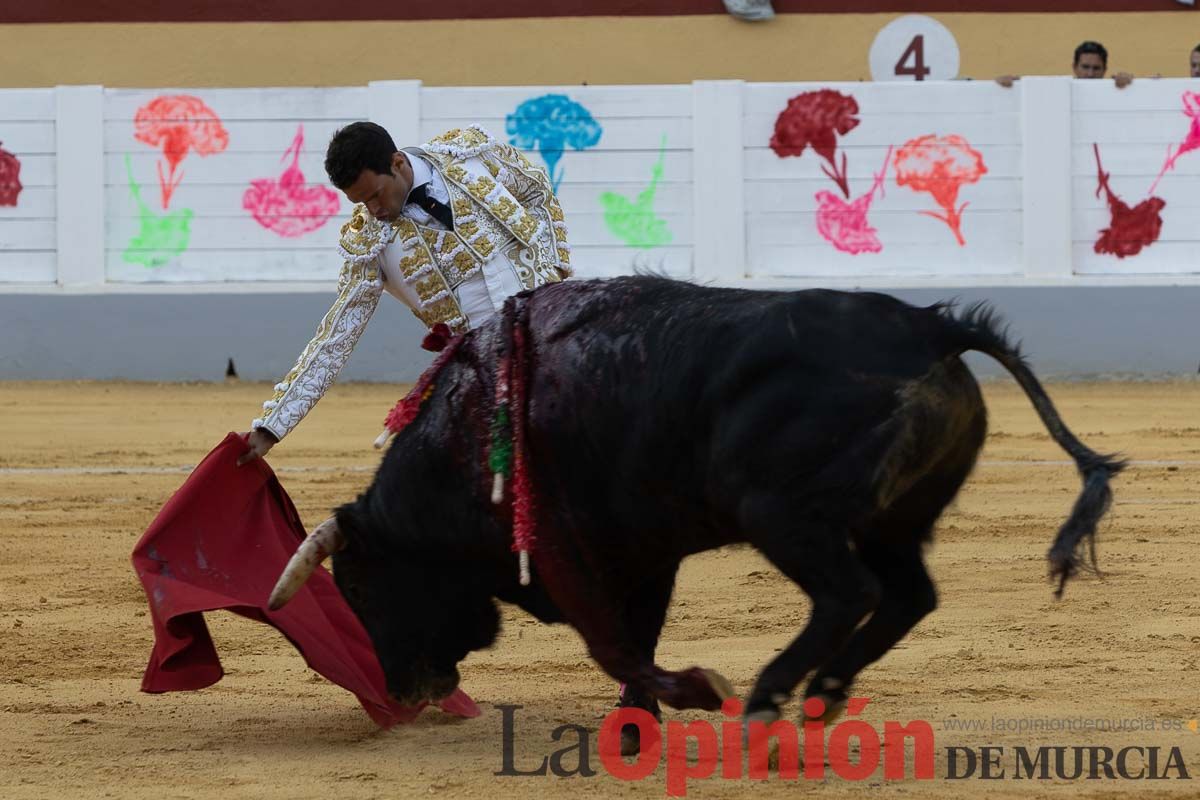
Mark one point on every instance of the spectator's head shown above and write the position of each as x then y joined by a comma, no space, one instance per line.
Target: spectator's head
363,162
1196,62
1091,60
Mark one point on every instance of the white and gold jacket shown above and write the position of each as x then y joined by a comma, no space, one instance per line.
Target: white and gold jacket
508,236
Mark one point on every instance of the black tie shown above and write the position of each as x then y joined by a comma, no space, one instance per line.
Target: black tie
438,210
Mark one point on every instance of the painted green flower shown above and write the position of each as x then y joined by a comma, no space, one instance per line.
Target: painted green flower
159,238
634,222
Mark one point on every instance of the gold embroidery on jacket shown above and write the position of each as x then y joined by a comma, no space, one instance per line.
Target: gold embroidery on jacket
436,295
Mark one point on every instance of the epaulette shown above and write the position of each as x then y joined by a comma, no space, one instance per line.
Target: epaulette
363,237
465,142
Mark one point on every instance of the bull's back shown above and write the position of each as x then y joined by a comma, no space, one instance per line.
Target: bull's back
666,394
679,326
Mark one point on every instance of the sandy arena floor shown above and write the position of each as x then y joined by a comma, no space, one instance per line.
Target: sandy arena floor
74,633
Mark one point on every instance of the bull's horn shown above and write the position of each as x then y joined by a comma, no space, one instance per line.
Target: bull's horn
320,544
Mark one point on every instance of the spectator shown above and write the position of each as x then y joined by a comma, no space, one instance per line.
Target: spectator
1196,62
1091,61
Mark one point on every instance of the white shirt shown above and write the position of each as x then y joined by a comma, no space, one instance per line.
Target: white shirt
481,295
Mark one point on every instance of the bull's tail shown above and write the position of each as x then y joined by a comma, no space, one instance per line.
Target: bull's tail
978,328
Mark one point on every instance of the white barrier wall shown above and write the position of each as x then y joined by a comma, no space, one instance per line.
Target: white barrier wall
953,183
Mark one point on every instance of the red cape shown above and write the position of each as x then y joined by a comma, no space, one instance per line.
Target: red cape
220,543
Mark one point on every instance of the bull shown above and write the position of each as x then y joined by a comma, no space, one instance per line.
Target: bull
829,430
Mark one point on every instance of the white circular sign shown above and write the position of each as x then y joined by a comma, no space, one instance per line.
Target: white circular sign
914,48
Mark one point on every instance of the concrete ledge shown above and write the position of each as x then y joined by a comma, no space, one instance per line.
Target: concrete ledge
1069,332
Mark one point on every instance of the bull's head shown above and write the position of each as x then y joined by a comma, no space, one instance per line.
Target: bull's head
423,612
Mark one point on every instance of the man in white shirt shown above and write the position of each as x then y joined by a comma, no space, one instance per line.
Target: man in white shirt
451,229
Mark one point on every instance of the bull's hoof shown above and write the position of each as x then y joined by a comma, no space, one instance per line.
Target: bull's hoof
720,685
631,740
766,716
631,735
832,694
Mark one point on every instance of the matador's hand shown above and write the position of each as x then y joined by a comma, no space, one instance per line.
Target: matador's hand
260,442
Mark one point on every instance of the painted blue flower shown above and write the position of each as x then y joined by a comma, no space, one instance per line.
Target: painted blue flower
550,123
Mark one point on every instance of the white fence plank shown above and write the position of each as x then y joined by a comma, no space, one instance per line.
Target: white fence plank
26,105
27,266
1160,258
899,261
28,137
881,130
240,168
862,163
1000,194
938,98
27,234
268,104
238,232
203,266
463,105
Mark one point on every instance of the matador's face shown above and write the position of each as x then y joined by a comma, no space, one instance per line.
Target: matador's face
383,195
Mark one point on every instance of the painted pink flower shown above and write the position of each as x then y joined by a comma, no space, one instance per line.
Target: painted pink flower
940,165
1191,108
10,178
816,119
178,123
845,225
1131,229
287,206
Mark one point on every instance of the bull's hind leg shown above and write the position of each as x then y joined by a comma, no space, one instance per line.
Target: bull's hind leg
818,558
907,596
892,551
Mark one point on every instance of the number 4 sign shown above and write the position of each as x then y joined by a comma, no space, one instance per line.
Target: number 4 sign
914,48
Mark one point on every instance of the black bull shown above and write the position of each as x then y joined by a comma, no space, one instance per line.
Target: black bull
827,429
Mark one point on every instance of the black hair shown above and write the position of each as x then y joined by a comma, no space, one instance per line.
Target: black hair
358,146
1091,47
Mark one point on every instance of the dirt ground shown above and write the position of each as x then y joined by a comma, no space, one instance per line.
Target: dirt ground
84,467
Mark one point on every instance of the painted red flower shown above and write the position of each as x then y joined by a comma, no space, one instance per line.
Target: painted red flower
10,178
1131,229
288,206
178,123
816,119
940,165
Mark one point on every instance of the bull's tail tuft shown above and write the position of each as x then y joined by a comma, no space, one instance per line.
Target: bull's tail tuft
980,328
1067,555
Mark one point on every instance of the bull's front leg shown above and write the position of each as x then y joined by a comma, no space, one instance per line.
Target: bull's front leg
600,613
644,614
